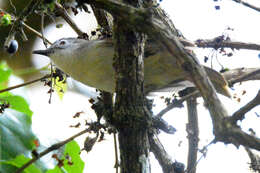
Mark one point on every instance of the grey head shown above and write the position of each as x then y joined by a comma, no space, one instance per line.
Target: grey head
61,46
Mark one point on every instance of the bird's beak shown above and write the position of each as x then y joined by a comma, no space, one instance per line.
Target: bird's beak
45,52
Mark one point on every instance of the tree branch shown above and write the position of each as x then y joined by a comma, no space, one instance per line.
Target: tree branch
26,83
143,21
247,5
240,114
177,103
216,43
36,32
232,76
51,148
193,134
160,154
236,136
61,11
16,27
117,165
161,124
241,75
27,27
255,160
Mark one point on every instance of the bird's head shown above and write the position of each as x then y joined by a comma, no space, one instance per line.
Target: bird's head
61,48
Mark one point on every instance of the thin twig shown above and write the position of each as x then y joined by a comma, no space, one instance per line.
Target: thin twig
177,103
161,154
13,6
203,154
17,23
243,77
161,124
36,32
233,76
42,30
24,84
61,11
48,150
247,5
212,43
116,153
28,27
239,115
51,83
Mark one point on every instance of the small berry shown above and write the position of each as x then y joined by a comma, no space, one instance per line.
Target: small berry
6,20
217,7
13,47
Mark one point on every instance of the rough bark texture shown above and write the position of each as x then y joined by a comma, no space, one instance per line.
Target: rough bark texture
131,117
161,155
193,133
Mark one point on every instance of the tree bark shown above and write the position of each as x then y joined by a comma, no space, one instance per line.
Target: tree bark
193,133
132,119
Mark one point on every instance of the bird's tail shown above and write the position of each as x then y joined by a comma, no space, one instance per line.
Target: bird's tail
218,81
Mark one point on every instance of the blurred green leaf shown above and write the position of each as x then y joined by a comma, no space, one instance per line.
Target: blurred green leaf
5,20
72,149
72,161
16,135
17,103
51,6
5,72
19,161
16,142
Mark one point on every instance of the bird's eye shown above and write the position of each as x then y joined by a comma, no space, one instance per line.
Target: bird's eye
62,42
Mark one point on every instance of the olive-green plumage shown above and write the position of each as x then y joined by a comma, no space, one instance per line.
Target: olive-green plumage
90,62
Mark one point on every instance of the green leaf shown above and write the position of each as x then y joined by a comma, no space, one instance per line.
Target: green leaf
19,161
5,72
52,6
17,103
72,151
6,20
15,131
60,87
16,137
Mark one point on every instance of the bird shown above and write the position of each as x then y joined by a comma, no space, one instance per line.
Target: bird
91,63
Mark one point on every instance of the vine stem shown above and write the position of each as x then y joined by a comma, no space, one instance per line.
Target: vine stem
48,150
24,84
